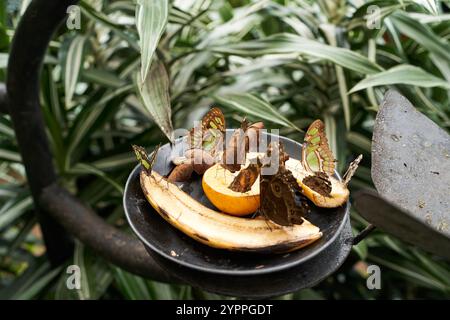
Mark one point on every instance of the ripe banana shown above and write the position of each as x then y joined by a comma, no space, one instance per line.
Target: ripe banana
220,230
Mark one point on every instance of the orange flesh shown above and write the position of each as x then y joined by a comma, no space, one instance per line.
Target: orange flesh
215,184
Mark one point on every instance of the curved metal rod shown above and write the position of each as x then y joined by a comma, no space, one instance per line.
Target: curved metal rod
27,52
113,244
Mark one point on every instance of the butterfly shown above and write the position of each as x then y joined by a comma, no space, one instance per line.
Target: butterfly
246,178
141,155
209,134
239,145
205,142
316,153
280,198
318,159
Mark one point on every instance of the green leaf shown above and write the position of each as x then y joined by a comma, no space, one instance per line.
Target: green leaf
402,74
103,77
3,60
154,94
102,19
36,286
131,286
116,161
73,66
428,18
13,210
249,104
331,32
87,119
416,275
96,276
360,141
422,34
151,20
289,43
85,168
9,155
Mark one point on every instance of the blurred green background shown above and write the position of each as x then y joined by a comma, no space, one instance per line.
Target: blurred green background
305,59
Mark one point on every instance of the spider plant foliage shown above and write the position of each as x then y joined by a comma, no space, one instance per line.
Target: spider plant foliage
134,71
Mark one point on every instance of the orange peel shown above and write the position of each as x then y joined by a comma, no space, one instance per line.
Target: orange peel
215,184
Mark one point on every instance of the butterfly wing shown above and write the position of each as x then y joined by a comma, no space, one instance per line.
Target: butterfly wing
280,201
316,154
208,135
235,153
146,161
245,179
279,192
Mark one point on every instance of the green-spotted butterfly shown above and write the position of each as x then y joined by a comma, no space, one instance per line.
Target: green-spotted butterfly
209,134
141,155
316,153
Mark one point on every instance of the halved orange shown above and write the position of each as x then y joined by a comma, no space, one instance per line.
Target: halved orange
215,184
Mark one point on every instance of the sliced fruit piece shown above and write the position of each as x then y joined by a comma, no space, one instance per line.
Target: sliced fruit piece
220,230
216,181
337,197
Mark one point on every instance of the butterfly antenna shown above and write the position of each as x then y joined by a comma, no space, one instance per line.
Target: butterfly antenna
351,169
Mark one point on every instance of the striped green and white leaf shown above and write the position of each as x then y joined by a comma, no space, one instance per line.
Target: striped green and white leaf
154,94
288,43
85,168
103,77
13,209
35,287
95,276
86,120
73,65
9,155
151,20
3,60
402,74
422,34
251,105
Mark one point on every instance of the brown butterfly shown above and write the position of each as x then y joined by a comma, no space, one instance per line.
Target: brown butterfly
280,198
235,153
246,178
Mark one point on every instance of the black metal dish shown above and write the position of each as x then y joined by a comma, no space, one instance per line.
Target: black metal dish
161,238
260,286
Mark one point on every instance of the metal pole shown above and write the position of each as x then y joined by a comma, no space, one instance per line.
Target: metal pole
3,99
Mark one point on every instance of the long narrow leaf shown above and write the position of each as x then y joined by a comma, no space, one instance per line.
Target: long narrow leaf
422,34
289,43
151,19
72,67
155,97
249,104
403,74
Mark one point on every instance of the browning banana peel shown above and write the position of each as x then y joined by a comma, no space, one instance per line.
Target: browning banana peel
220,230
